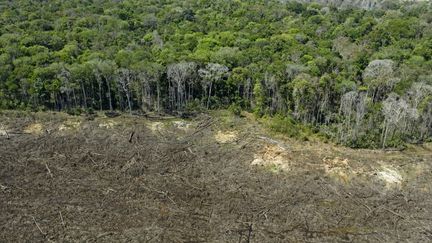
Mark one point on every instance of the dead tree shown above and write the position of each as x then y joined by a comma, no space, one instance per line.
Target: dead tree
213,72
276,102
353,110
124,77
395,111
179,74
380,78
104,71
420,99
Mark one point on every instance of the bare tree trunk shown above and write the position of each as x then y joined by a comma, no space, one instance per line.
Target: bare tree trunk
74,96
109,94
142,98
129,102
179,97
67,99
209,95
100,94
189,95
84,96
385,131
55,101
170,95
158,96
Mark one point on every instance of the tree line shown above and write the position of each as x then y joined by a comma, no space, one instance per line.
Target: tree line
360,77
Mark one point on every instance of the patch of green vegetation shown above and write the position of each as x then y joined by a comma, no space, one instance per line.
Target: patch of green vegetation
334,74
274,168
75,111
195,106
368,140
235,109
288,126
225,118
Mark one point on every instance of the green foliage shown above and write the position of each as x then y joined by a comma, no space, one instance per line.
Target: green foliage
371,139
235,109
74,111
289,127
283,57
285,125
195,106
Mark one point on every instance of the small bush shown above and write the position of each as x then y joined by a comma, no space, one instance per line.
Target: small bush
195,106
396,142
235,109
74,111
284,125
90,111
288,126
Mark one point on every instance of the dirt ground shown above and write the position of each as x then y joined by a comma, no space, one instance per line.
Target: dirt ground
213,178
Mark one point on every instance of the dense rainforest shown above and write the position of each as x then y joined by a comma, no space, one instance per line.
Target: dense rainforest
360,77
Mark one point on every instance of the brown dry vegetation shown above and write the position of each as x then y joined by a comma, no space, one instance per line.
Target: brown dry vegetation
210,179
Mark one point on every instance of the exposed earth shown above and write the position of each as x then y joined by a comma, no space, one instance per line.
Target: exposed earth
212,178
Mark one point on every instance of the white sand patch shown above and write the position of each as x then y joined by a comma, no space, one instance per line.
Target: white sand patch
69,125
332,163
390,176
35,128
3,132
338,169
226,137
282,145
154,126
108,124
340,174
182,125
273,157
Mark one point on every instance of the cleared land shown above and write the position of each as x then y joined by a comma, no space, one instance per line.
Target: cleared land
213,178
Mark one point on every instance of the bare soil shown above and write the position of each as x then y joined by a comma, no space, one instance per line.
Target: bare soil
212,178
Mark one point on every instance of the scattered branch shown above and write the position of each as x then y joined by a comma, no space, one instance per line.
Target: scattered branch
37,225
49,171
61,218
131,136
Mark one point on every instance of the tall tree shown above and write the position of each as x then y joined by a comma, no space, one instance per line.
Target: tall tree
212,73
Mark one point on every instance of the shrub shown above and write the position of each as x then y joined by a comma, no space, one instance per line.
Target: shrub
235,109
284,125
74,111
